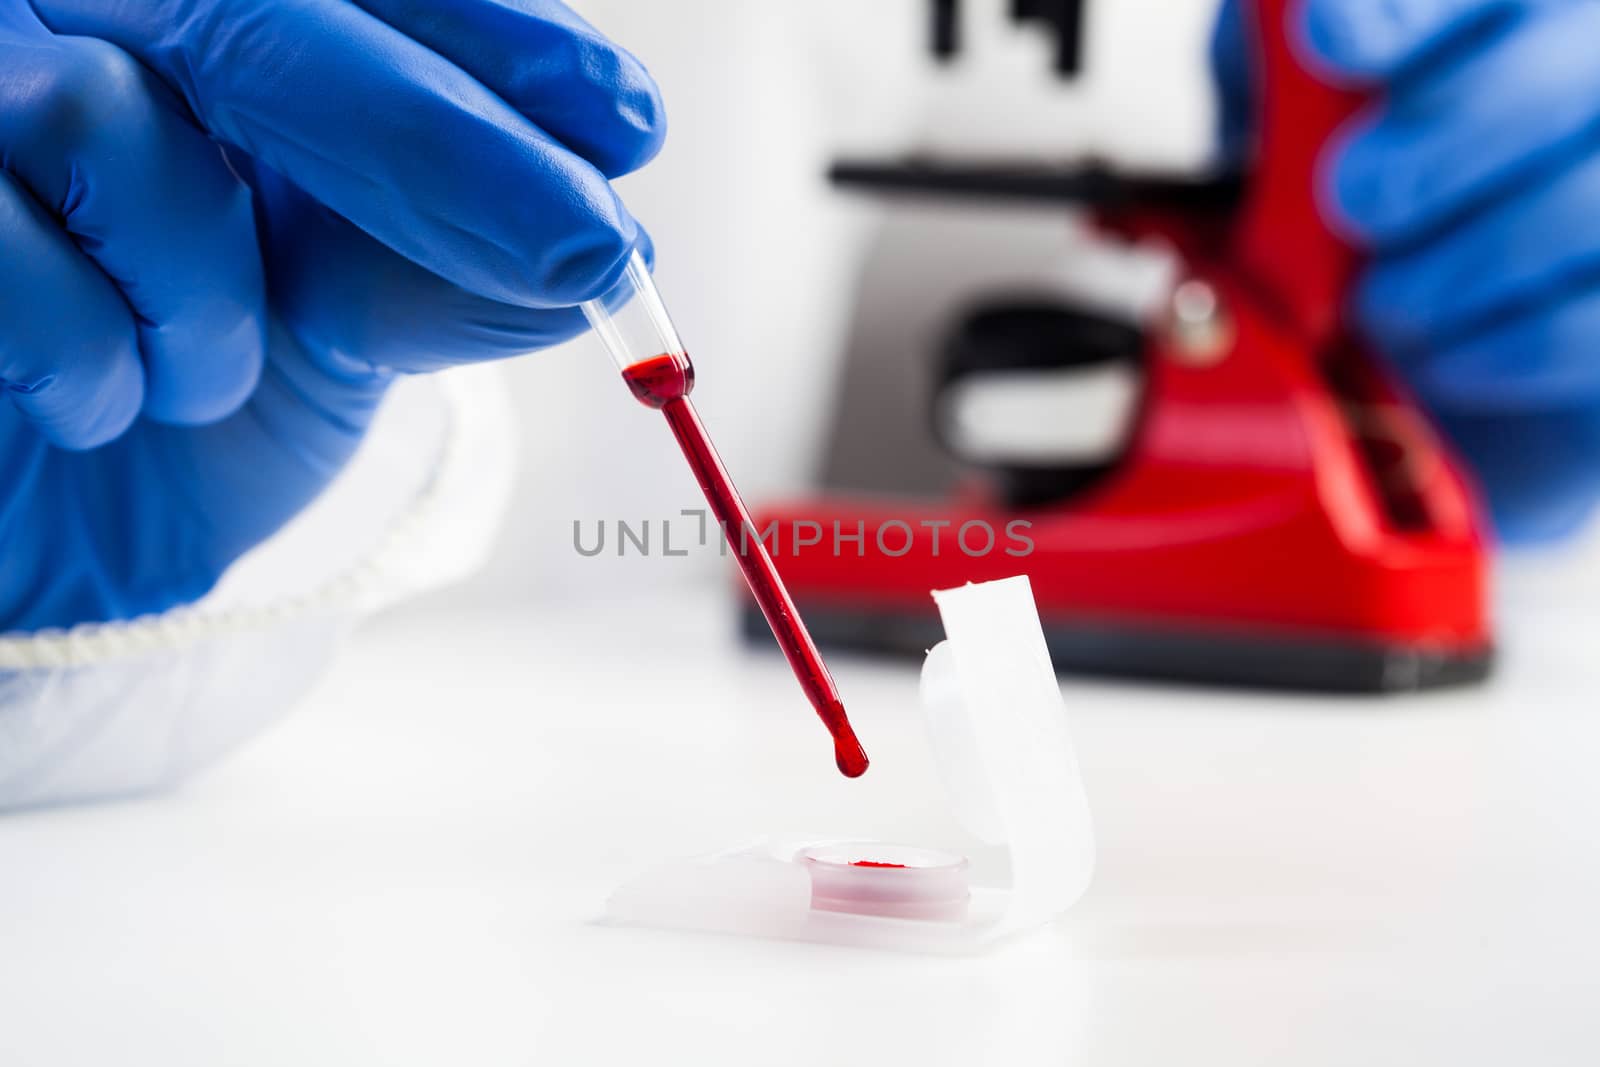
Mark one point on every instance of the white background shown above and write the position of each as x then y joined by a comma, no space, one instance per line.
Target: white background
410,871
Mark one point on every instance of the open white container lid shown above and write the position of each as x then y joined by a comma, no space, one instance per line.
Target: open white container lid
997,726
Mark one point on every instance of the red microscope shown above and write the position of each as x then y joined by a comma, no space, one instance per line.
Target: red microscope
1282,515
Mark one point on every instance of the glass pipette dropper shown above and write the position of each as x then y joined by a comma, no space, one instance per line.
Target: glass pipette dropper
634,325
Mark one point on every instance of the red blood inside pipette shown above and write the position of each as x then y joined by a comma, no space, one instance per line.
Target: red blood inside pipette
875,863
665,382
659,381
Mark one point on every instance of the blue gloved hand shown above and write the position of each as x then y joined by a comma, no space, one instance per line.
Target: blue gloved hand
1474,186
194,345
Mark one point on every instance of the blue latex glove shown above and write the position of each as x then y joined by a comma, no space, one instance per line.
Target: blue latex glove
194,345
1474,186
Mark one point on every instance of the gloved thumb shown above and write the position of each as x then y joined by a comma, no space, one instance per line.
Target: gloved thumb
1377,39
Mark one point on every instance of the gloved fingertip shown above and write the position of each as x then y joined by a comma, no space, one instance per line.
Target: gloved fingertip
620,291
76,415
205,377
1352,41
640,128
587,266
1519,528
1536,468
614,116
1527,514
1352,185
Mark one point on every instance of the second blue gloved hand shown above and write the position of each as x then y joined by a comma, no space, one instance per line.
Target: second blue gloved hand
194,338
1473,183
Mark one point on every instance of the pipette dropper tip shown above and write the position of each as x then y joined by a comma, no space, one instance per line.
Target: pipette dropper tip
847,750
849,755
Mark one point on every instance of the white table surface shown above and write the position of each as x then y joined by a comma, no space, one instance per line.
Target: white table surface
408,870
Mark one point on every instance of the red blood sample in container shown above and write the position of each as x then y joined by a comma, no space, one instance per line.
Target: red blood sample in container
891,881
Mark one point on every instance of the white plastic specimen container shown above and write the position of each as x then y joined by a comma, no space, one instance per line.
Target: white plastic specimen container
998,729
894,881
